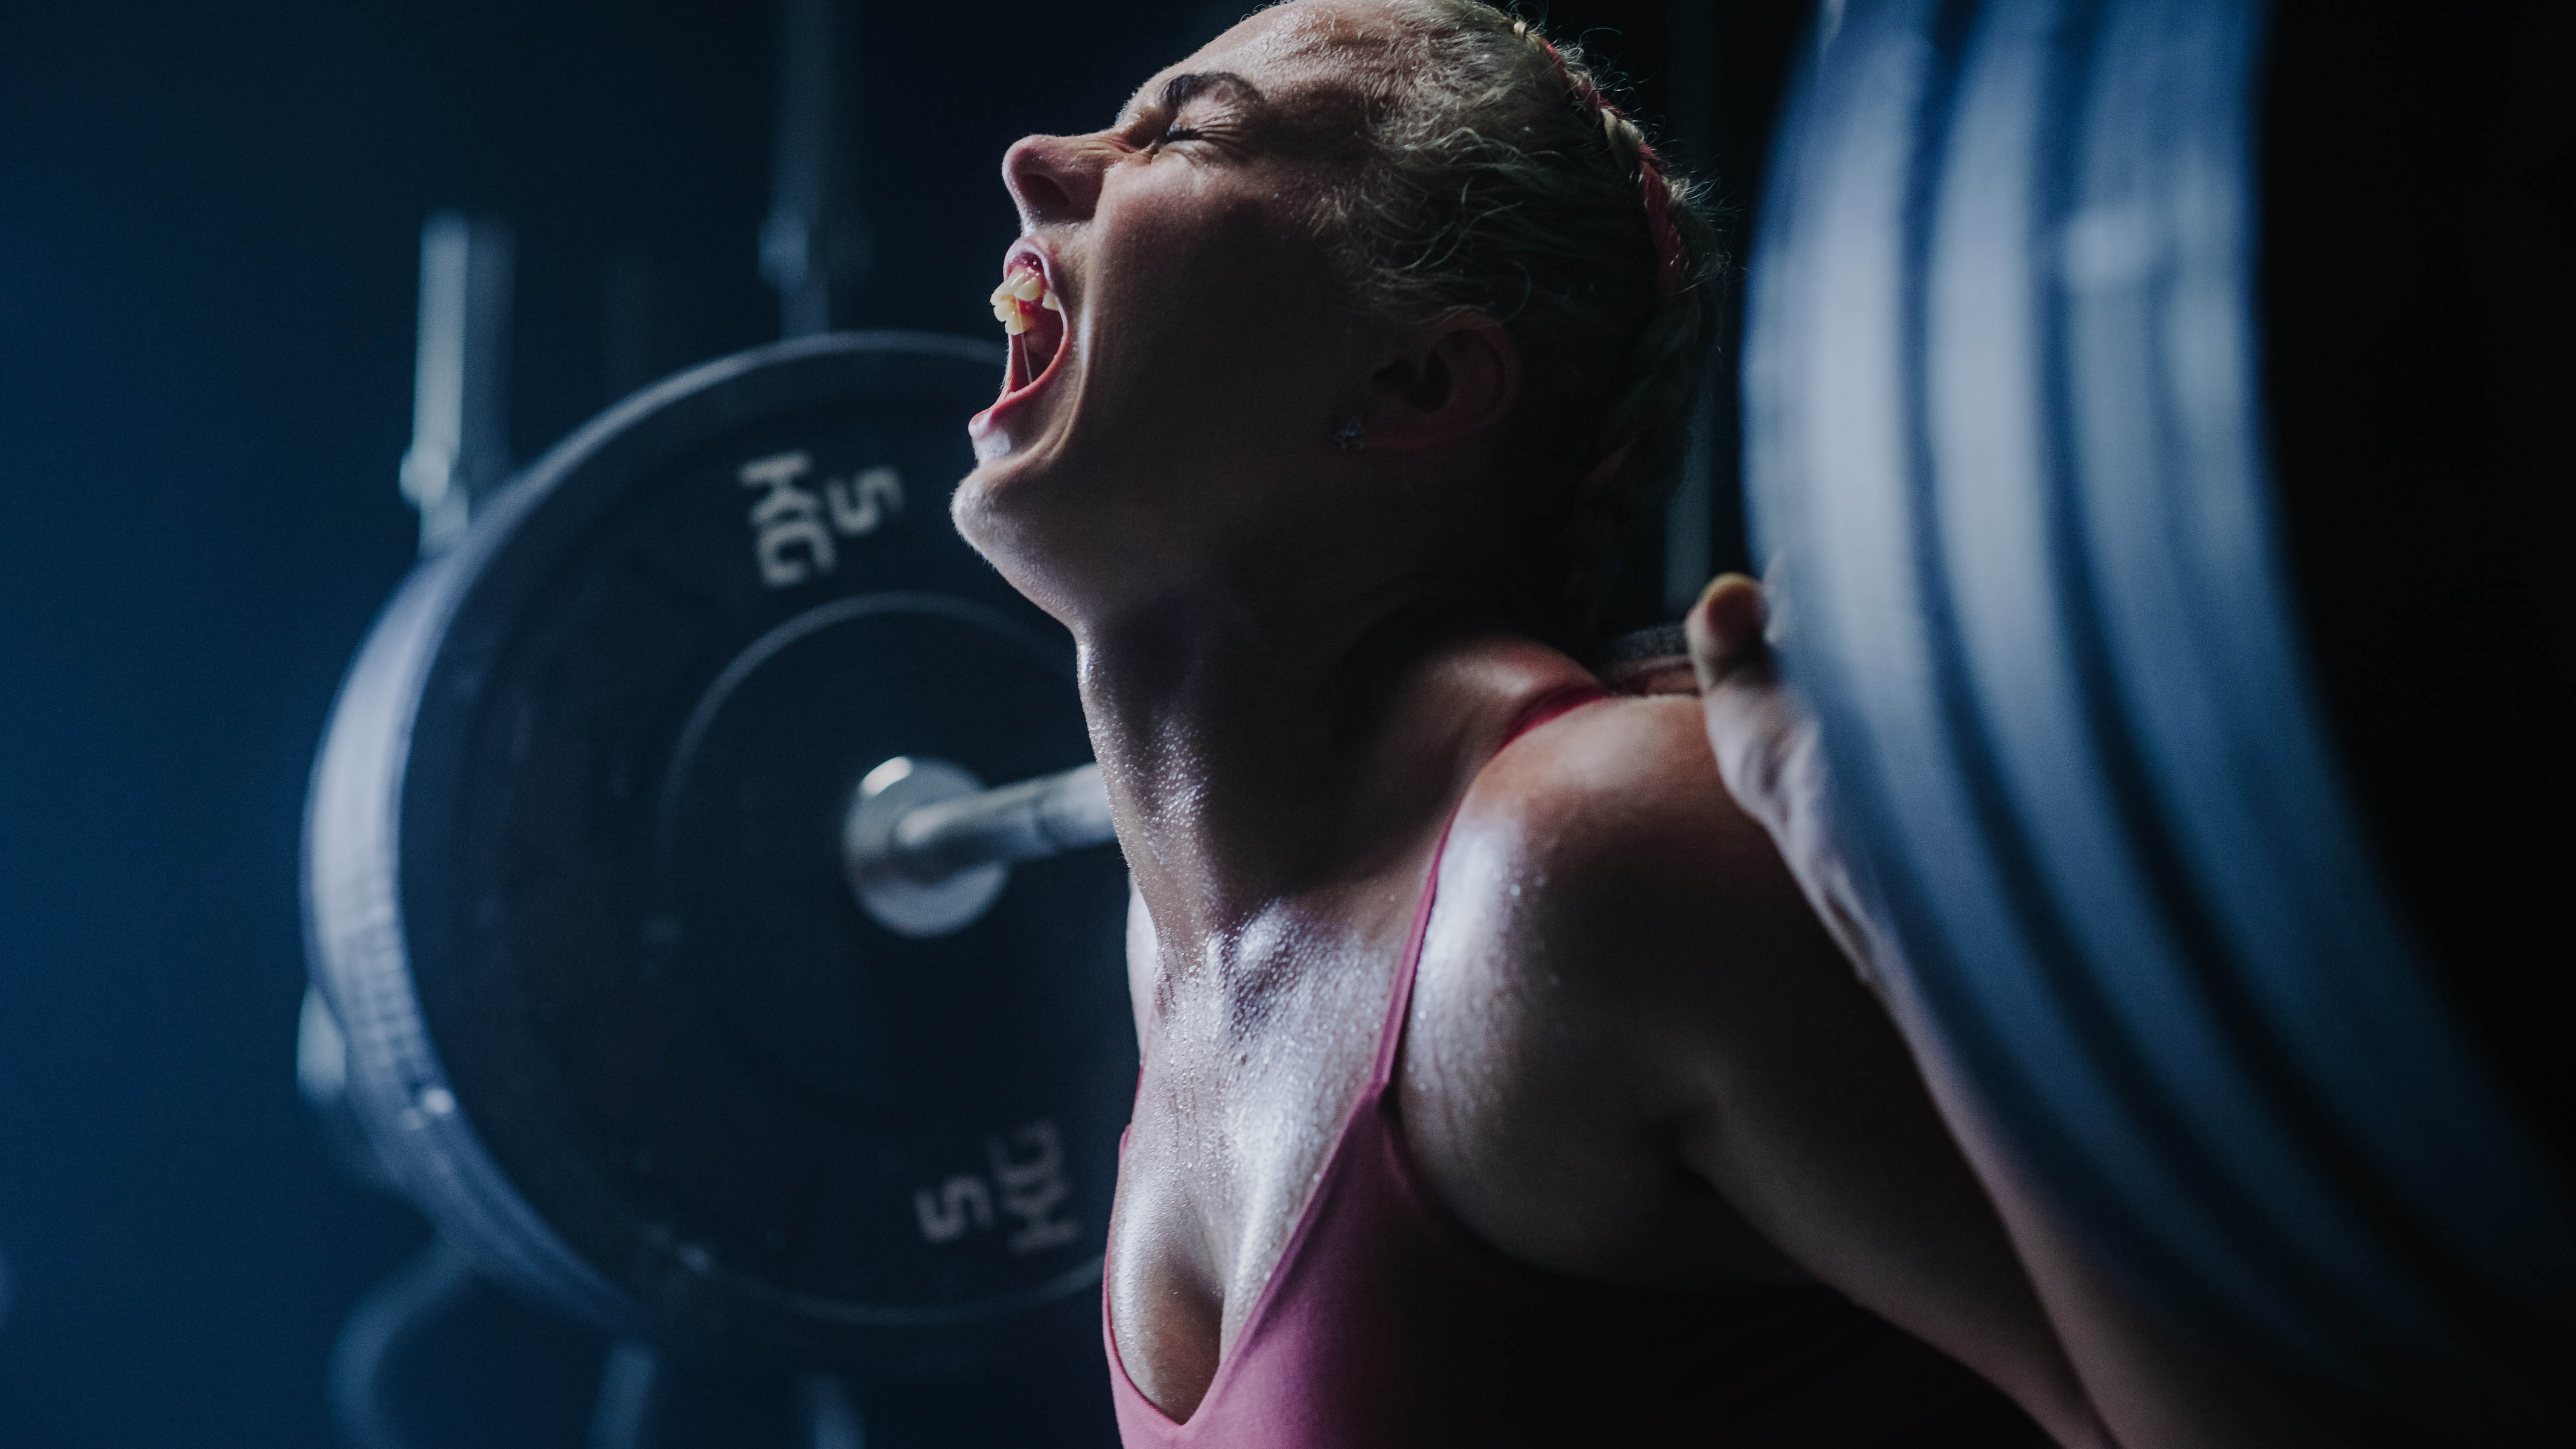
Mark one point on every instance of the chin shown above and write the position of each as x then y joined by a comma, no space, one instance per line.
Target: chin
1012,509
1010,489
987,506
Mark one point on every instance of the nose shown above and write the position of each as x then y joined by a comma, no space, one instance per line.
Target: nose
1051,179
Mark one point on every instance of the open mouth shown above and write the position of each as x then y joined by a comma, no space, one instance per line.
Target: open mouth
1026,306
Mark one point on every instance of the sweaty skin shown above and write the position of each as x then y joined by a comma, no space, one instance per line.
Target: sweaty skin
1634,1056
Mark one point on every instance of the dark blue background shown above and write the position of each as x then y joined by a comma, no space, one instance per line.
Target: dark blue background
209,232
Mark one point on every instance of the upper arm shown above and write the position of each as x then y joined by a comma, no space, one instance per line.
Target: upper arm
1775,1074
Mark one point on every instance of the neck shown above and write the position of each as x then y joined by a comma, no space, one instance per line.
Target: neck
1260,749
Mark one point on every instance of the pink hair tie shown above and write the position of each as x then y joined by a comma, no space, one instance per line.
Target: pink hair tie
1669,263
1671,266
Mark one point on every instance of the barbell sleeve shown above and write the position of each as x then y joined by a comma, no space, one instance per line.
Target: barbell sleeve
1030,820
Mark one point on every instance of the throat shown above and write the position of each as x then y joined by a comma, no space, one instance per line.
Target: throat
1253,766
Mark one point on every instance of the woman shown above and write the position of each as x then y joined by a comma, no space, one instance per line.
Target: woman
1336,363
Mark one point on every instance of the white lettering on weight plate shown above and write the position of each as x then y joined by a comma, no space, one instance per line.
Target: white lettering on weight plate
1026,1168
944,1216
787,521
792,526
863,502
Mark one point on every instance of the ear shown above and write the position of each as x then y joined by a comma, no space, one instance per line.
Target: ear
1451,381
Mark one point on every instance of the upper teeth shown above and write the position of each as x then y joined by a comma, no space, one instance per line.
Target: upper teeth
1021,293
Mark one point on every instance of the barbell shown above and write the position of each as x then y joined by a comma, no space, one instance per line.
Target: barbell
927,848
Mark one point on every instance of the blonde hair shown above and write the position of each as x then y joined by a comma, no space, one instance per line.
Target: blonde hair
1501,179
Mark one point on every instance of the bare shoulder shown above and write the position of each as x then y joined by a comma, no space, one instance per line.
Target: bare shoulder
1602,887
1615,814
1599,899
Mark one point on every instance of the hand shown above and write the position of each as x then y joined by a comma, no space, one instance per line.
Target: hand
1773,762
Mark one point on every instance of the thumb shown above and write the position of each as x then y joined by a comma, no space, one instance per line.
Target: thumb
1725,629
1771,758
1754,728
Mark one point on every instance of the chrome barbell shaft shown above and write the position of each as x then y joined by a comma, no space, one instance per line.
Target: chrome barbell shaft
1030,820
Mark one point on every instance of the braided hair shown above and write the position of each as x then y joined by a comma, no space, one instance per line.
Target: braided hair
1502,179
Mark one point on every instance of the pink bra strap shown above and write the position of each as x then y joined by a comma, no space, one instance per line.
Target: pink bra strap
1391,1035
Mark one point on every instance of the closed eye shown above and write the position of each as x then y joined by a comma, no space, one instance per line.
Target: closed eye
1180,90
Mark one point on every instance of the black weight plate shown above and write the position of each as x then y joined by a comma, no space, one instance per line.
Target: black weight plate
573,882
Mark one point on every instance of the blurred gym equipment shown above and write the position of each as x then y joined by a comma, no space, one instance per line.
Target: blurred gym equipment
615,1015
2058,567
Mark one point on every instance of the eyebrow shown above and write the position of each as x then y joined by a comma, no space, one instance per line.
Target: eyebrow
1179,89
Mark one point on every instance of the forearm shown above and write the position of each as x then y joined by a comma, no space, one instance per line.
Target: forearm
2152,1389
1831,1146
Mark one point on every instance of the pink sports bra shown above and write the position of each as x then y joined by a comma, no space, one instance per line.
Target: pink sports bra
1386,1324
